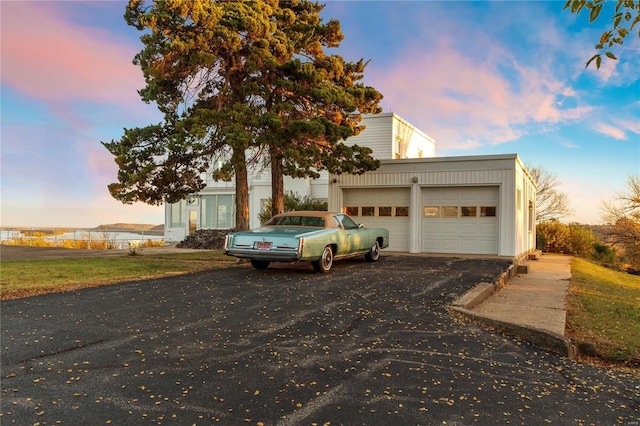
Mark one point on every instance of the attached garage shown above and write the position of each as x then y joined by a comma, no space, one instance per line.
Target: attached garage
382,208
460,220
453,205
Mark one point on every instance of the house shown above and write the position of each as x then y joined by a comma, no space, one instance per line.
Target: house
388,135
471,204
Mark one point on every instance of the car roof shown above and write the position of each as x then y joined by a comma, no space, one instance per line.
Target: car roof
313,213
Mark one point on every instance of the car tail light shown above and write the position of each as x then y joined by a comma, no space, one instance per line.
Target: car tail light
300,247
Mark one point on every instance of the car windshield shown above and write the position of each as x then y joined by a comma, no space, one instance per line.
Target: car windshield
296,221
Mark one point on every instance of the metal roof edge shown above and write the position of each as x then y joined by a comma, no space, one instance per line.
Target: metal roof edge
460,158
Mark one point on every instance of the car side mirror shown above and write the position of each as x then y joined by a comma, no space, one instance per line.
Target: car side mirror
360,226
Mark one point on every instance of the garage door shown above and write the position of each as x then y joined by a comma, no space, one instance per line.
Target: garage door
460,220
382,208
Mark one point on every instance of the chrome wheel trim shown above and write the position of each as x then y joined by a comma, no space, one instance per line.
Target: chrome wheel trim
327,258
375,251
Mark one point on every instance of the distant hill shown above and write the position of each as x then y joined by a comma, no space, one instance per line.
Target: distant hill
129,227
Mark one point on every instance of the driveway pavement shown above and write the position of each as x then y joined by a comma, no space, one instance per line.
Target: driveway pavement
369,344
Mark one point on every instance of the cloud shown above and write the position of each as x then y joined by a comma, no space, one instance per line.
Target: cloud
463,101
610,130
56,60
631,125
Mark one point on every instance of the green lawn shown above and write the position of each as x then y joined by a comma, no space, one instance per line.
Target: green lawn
22,278
603,312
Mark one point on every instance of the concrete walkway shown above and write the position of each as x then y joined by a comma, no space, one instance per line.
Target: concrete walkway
530,306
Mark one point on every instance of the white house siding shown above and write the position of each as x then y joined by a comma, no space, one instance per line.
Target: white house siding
390,137
410,142
465,173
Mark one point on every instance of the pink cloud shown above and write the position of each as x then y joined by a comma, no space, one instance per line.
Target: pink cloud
609,130
56,60
464,101
630,125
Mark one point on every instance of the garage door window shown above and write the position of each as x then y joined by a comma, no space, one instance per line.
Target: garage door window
402,211
352,211
384,211
431,212
368,211
449,211
468,211
487,212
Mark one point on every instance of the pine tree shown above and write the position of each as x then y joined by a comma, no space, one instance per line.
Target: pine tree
236,77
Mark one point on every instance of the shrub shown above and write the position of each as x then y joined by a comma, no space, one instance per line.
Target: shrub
581,240
555,235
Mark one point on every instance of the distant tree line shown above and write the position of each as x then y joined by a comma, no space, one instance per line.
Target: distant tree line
615,244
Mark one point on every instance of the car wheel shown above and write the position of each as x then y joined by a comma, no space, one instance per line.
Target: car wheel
260,264
374,253
325,262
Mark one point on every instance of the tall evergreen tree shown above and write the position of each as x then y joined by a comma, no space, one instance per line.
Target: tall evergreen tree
235,76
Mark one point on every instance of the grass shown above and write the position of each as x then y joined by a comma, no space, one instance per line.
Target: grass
603,313
23,278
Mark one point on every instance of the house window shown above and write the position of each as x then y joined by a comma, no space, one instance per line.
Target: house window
208,212
402,211
430,212
384,211
177,212
217,212
225,211
519,199
368,211
449,211
487,211
468,211
352,211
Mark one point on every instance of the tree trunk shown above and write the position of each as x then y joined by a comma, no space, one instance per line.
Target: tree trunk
242,189
277,186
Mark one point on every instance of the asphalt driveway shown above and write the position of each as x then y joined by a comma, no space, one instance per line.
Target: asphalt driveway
366,344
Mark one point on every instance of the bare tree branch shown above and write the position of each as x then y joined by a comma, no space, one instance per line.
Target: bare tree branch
550,203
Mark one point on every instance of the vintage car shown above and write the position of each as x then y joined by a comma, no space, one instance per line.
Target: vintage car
313,236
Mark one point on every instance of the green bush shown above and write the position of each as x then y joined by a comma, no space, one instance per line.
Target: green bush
576,240
581,240
605,254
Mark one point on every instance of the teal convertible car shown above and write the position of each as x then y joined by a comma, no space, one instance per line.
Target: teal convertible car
312,236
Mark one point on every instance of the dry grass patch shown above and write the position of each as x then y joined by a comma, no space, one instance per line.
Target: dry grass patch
23,278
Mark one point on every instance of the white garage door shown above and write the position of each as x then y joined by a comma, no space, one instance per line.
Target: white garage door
460,220
382,208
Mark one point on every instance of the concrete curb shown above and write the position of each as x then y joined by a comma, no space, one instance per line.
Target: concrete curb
553,342
542,338
481,291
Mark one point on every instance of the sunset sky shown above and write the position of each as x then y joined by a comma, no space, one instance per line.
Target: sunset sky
495,77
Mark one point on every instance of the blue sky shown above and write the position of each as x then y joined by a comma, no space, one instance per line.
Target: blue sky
494,77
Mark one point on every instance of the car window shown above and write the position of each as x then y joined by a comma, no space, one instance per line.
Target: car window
313,221
347,222
296,221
